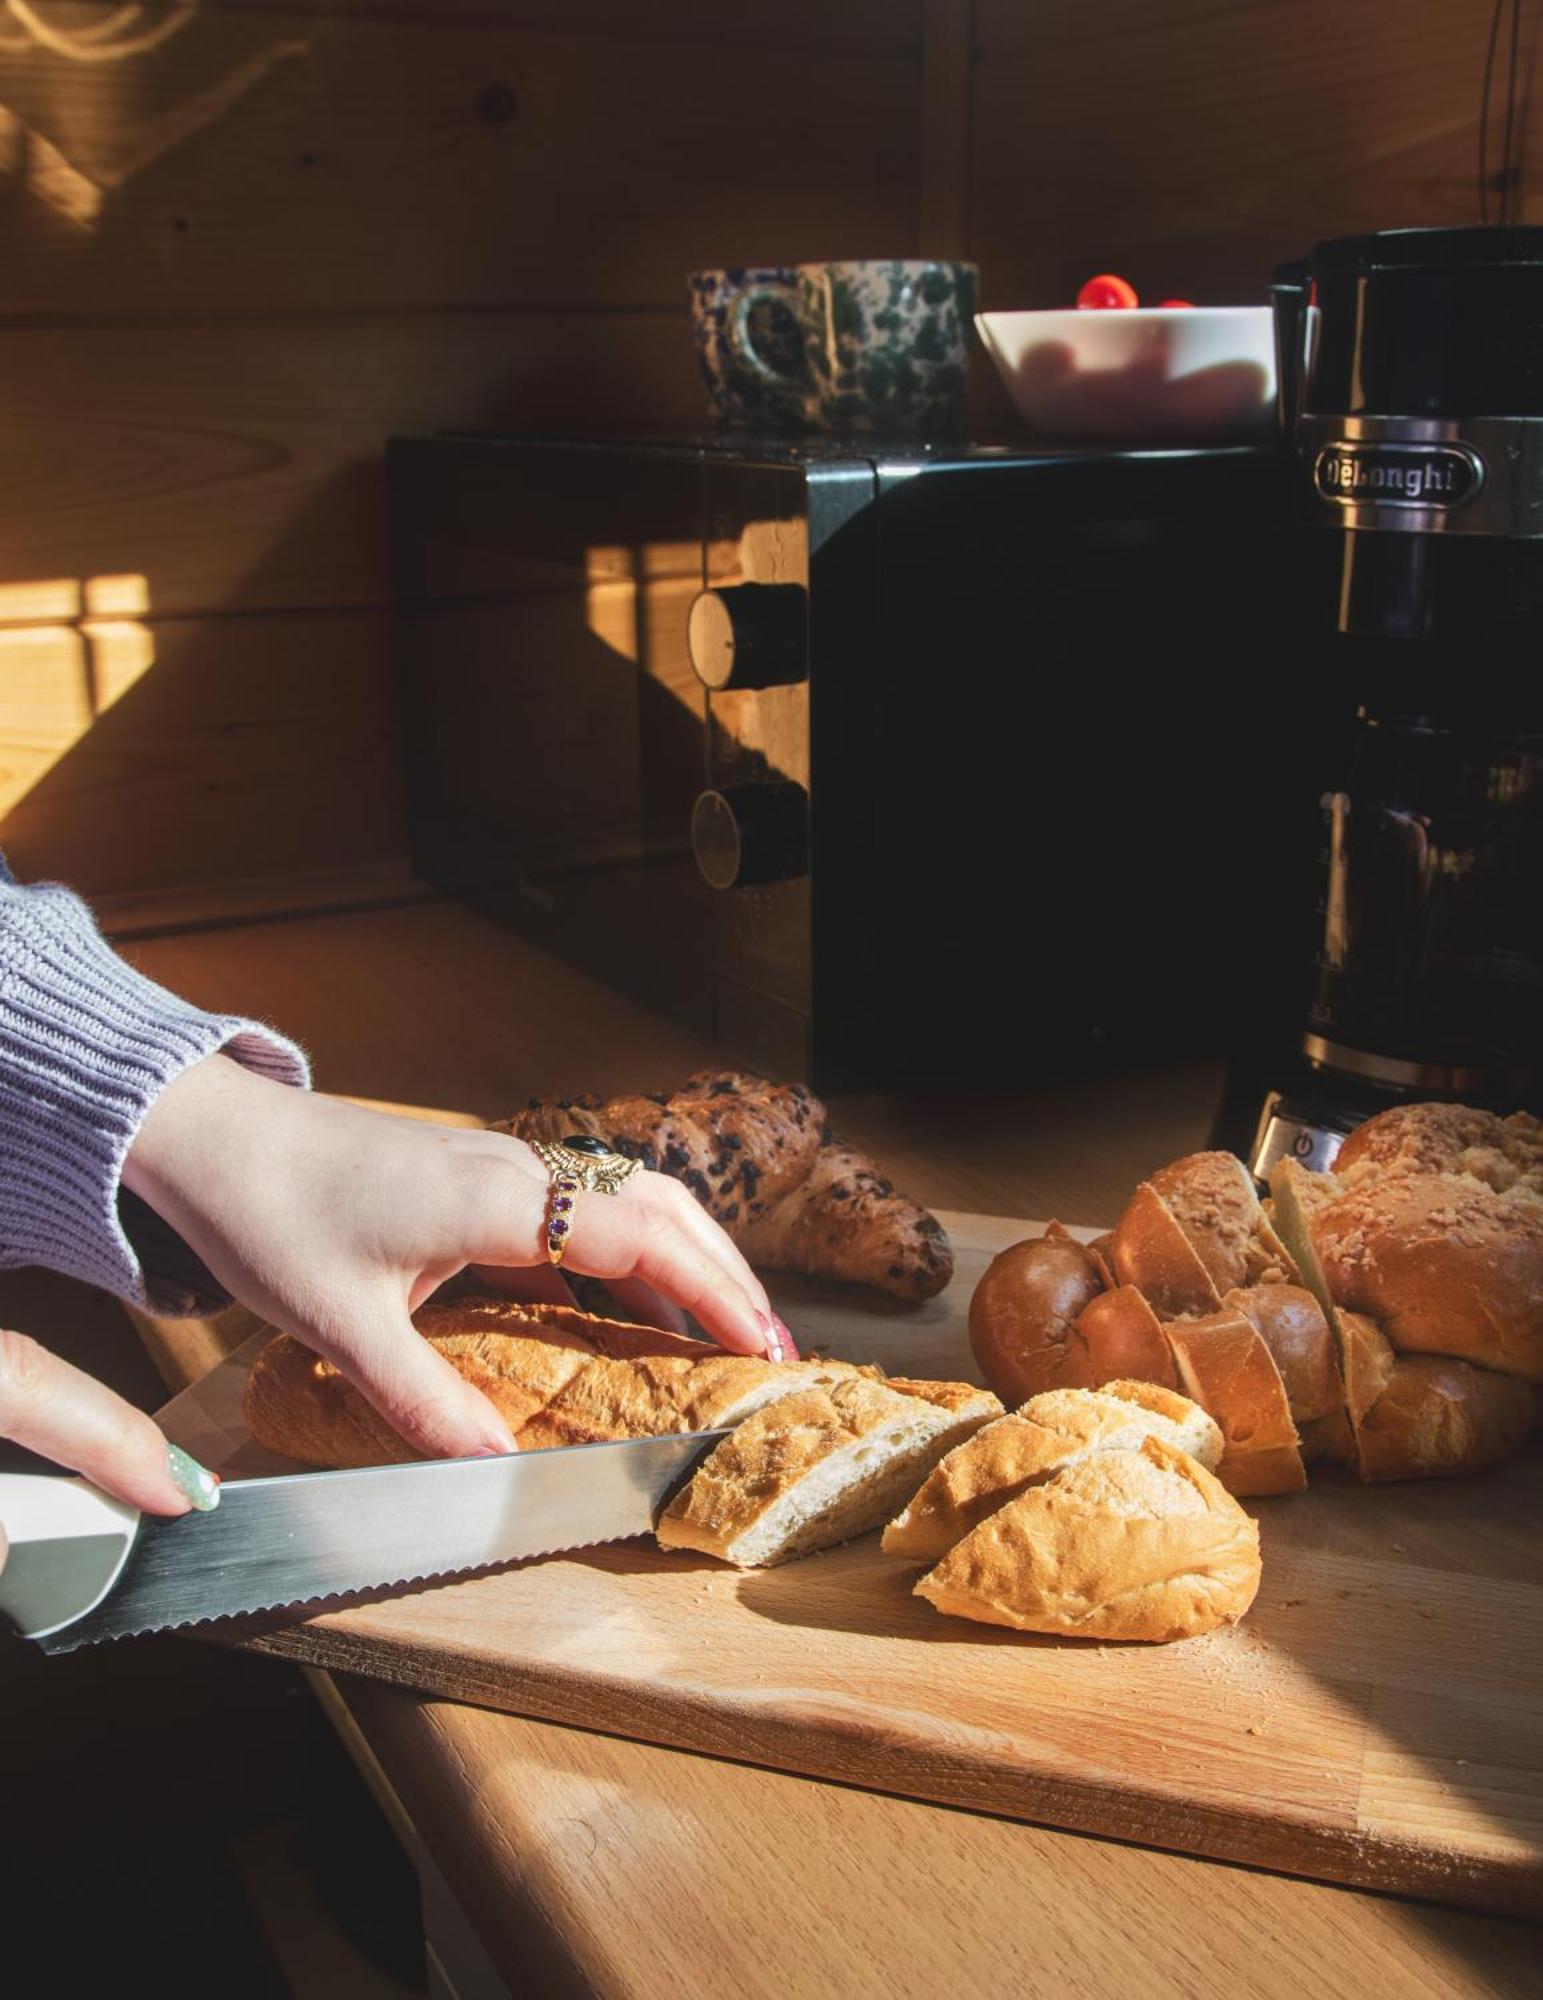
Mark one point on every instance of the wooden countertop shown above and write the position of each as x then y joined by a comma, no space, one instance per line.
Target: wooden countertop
591,1865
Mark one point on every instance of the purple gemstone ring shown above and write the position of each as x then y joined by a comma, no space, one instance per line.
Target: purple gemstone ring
578,1162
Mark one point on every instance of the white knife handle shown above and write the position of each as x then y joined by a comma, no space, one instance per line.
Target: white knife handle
37,1508
68,1544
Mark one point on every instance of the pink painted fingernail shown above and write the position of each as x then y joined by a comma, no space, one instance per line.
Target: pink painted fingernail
770,1335
789,1344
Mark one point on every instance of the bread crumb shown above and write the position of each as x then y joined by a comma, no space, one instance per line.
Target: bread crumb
1254,1730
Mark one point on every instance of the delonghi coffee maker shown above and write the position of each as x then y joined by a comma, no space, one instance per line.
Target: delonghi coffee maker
1411,402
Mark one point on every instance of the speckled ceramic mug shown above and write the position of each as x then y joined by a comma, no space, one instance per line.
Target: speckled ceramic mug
750,345
883,345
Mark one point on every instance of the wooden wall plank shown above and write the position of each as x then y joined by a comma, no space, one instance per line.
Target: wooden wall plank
1193,143
270,158
233,747
947,65
239,468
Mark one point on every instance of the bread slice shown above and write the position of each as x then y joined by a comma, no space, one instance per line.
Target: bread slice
1149,1250
556,1375
1226,1367
1212,1198
1290,1322
1124,1340
818,1468
1141,1545
1049,1433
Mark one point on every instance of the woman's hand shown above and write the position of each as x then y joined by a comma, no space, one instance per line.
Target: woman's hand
64,1414
336,1223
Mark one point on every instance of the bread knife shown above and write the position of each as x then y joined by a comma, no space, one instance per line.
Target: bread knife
83,1567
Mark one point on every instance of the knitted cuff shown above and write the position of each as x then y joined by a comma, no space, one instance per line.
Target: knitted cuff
86,1046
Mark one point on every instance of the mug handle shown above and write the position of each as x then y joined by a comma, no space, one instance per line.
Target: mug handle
741,341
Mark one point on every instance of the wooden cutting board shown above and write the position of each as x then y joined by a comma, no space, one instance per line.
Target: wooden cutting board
1377,1719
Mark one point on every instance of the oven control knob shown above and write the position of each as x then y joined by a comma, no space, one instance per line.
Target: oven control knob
749,834
747,635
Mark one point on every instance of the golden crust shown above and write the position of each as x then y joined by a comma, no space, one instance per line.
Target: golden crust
752,1480
762,1160
1124,1339
1005,1458
1126,1545
1226,1367
738,1142
960,1399
1291,1323
1437,1417
1149,1250
1211,1196
556,1375
1001,1461
1447,1139
1443,1262
847,1221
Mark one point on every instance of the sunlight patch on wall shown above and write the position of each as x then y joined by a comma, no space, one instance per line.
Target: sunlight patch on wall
58,677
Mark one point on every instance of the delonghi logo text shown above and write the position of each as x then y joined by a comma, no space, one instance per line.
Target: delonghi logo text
1398,475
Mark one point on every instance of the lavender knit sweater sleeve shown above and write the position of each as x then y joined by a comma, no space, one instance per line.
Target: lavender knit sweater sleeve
86,1045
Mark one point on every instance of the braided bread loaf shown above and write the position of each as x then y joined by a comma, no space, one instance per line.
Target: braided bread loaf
1432,1226
762,1160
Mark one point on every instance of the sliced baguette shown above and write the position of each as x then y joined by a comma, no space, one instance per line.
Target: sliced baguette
1138,1545
556,1375
1052,1431
818,1468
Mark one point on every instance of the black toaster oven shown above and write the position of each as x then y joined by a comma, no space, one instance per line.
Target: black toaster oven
922,766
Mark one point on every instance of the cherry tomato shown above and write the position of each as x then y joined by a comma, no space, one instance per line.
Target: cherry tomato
1177,305
1106,294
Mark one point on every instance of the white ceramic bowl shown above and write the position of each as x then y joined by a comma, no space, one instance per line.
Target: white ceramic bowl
1150,375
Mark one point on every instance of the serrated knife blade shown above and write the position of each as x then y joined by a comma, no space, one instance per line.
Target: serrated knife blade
303,1538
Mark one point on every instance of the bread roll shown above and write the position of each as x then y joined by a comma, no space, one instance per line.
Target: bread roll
818,1468
1442,1262
1226,1367
1021,1317
1141,1545
1050,1432
1292,1325
1149,1250
557,1376
1212,1198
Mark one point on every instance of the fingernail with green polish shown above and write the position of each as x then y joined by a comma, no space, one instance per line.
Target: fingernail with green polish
194,1481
